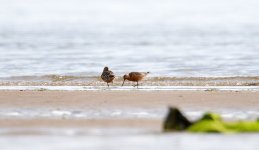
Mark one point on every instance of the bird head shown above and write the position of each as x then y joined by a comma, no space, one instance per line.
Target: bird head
105,69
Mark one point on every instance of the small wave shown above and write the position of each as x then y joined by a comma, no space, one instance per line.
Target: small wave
230,114
83,114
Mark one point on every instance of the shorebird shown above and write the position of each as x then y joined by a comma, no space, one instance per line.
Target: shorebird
107,75
134,76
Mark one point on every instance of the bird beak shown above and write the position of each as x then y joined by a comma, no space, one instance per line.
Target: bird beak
123,82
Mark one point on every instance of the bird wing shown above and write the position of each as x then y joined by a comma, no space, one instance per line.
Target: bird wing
111,74
134,74
137,74
108,74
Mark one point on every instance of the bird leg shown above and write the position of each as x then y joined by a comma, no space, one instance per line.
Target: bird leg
107,84
135,84
123,82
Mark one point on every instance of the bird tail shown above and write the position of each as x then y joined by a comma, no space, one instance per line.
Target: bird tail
111,75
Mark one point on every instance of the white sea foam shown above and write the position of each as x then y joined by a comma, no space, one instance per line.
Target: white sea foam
127,88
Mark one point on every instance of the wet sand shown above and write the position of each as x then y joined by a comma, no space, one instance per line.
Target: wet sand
145,99
84,100
130,119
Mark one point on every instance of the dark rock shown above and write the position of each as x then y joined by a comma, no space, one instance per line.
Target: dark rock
175,121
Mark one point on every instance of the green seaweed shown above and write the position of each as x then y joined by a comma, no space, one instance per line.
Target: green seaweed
212,122
209,123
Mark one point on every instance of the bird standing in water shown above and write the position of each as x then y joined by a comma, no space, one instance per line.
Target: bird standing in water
134,76
107,75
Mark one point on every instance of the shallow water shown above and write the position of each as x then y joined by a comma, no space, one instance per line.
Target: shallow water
126,138
99,139
121,113
169,38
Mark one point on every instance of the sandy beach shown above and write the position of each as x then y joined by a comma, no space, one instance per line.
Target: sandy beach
116,100
145,99
131,119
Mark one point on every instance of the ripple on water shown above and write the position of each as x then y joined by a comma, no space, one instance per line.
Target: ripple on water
121,114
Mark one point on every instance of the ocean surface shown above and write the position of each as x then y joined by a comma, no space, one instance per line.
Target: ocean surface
169,38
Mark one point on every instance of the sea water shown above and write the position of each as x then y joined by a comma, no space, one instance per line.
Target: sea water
179,38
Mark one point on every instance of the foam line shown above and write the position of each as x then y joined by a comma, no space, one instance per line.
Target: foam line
130,88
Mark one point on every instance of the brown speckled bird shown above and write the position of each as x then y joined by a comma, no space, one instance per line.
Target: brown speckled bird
107,75
135,77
